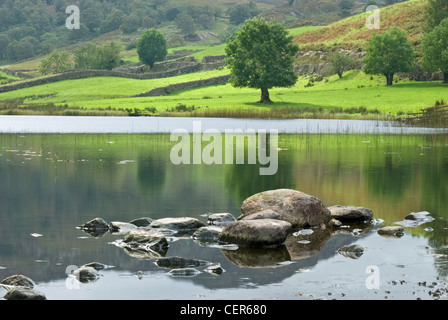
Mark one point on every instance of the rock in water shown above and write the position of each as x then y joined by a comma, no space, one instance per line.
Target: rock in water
179,262
298,208
21,293
178,224
256,233
265,214
18,280
391,231
95,227
86,274
220,219
351,213
353,251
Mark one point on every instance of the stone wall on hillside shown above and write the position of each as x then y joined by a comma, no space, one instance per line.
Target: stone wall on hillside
184,85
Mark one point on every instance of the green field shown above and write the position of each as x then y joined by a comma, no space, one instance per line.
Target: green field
356,95
326,98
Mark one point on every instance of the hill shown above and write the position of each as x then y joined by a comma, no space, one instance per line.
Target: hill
352,34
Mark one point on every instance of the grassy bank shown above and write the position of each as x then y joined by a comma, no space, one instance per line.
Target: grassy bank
356,95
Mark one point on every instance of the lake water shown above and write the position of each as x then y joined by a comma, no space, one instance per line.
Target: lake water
59,172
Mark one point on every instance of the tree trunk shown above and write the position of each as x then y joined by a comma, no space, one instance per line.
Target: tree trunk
264,96
445,77
389,78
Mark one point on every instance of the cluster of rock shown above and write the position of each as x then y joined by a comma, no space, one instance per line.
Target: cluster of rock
281,224
267,219
20,287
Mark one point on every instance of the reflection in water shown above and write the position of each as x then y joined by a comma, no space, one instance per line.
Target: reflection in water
49,184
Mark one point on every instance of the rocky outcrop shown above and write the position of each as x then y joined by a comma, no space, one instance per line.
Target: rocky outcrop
298,208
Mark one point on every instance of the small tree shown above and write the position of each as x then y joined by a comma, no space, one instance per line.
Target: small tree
261,55
341,63
151,47
57,61
388,53
435,50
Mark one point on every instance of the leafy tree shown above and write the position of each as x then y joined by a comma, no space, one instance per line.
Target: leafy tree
341,63
436,11
22,49
113,21
57,61
346,4
435,49
108,55
388,53
91,56
151,47
185,23
86,56
130,24
261,55
240,13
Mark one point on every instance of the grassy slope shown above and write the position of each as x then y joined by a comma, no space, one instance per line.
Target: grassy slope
352,33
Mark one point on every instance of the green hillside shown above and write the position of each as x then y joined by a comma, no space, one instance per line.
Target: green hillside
352,34
356,95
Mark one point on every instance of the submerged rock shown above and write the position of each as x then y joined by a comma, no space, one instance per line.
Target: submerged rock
95,227
214,269
353,251
141,222
97,266
207,236
22,293
220,219
184,272
351,213
258,257
179,262
143,241
298,208
414,219
86,274
121,227
391,231
184,224
256,233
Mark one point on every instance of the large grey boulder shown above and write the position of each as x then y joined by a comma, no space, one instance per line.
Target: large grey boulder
265,214
298,208
256,233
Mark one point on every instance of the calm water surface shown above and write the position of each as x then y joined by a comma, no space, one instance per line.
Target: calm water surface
52,182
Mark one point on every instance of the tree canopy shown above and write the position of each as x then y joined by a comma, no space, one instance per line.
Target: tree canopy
435,49
261,55
388,53
151,47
